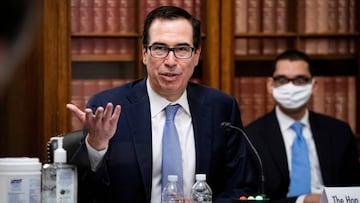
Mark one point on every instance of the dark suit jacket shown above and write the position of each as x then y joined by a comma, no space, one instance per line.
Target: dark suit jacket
125,174
335,145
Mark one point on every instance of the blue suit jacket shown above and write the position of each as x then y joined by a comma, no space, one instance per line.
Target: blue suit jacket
125,173
335,146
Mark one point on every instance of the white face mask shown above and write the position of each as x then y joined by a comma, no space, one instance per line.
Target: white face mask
292,96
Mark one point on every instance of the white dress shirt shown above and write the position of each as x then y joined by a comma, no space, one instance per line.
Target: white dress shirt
289,135
183,123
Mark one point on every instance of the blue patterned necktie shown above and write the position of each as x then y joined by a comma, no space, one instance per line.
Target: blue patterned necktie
300,164
171,151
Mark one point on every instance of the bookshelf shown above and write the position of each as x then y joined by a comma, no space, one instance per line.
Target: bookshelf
43,80
327,30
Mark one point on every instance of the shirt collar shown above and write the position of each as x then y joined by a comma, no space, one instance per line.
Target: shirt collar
158,103
285,121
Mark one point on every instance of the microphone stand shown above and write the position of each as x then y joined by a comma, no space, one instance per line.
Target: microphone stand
228,127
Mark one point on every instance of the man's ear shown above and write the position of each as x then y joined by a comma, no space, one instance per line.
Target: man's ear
198,53
315,86
144,55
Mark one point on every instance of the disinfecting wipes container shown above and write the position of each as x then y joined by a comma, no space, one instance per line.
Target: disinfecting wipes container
20,180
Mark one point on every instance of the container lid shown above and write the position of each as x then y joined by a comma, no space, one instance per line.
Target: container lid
15,164
200,177
172,178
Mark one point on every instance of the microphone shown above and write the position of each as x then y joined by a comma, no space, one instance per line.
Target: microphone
227,126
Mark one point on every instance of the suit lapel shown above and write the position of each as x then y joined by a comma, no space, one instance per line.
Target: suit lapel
139,120
321,141
275,144
201,115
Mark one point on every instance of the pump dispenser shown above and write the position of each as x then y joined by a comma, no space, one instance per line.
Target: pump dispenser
59,180
59,153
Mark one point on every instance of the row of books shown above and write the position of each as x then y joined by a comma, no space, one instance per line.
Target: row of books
335,16
335,96
267,46
315,16
100,46
256,16
314,46
192,6
102,16
115,16
339,46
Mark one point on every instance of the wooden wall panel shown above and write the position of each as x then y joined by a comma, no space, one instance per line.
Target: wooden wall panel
34,101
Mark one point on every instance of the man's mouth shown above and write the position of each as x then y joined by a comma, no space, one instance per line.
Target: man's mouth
169,74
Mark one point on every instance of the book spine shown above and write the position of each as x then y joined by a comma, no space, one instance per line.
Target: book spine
86,16
86,46
99,46
99,16
112,16
281,24
75,16
126,10
268,26
254,25
240,26
259,96
343,16
246,99
189,6
351,84
322,18
341,96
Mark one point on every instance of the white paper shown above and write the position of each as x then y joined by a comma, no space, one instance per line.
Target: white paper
340,195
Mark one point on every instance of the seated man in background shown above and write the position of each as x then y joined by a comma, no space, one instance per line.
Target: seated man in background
292,135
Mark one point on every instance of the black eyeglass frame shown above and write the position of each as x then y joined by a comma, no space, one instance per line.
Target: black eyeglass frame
298,80
193,49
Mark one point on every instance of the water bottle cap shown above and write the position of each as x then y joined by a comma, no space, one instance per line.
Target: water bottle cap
172,178
200,177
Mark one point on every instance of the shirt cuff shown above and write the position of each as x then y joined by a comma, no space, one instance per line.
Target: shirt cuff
95,156
300,199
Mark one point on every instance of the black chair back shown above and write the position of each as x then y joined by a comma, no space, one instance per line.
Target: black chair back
70,143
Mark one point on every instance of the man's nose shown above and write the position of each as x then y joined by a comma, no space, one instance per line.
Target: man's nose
170,58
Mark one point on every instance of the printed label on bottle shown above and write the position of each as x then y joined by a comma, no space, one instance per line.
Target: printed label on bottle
24,189
65,179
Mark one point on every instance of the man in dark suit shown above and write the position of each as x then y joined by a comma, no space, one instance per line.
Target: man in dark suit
330,142
120,156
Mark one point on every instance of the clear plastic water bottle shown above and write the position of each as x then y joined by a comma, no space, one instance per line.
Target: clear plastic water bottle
201,191
172,192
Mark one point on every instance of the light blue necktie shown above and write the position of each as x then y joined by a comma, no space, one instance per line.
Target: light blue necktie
300,164
171,151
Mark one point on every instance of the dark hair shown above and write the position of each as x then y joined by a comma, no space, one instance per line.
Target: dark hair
293,55
171,13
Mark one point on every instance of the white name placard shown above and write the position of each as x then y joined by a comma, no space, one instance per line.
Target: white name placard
340,195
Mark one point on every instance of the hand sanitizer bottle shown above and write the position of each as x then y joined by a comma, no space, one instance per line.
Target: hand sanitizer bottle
59,180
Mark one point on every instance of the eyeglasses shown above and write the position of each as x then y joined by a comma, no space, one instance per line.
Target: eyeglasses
180,52
298,80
